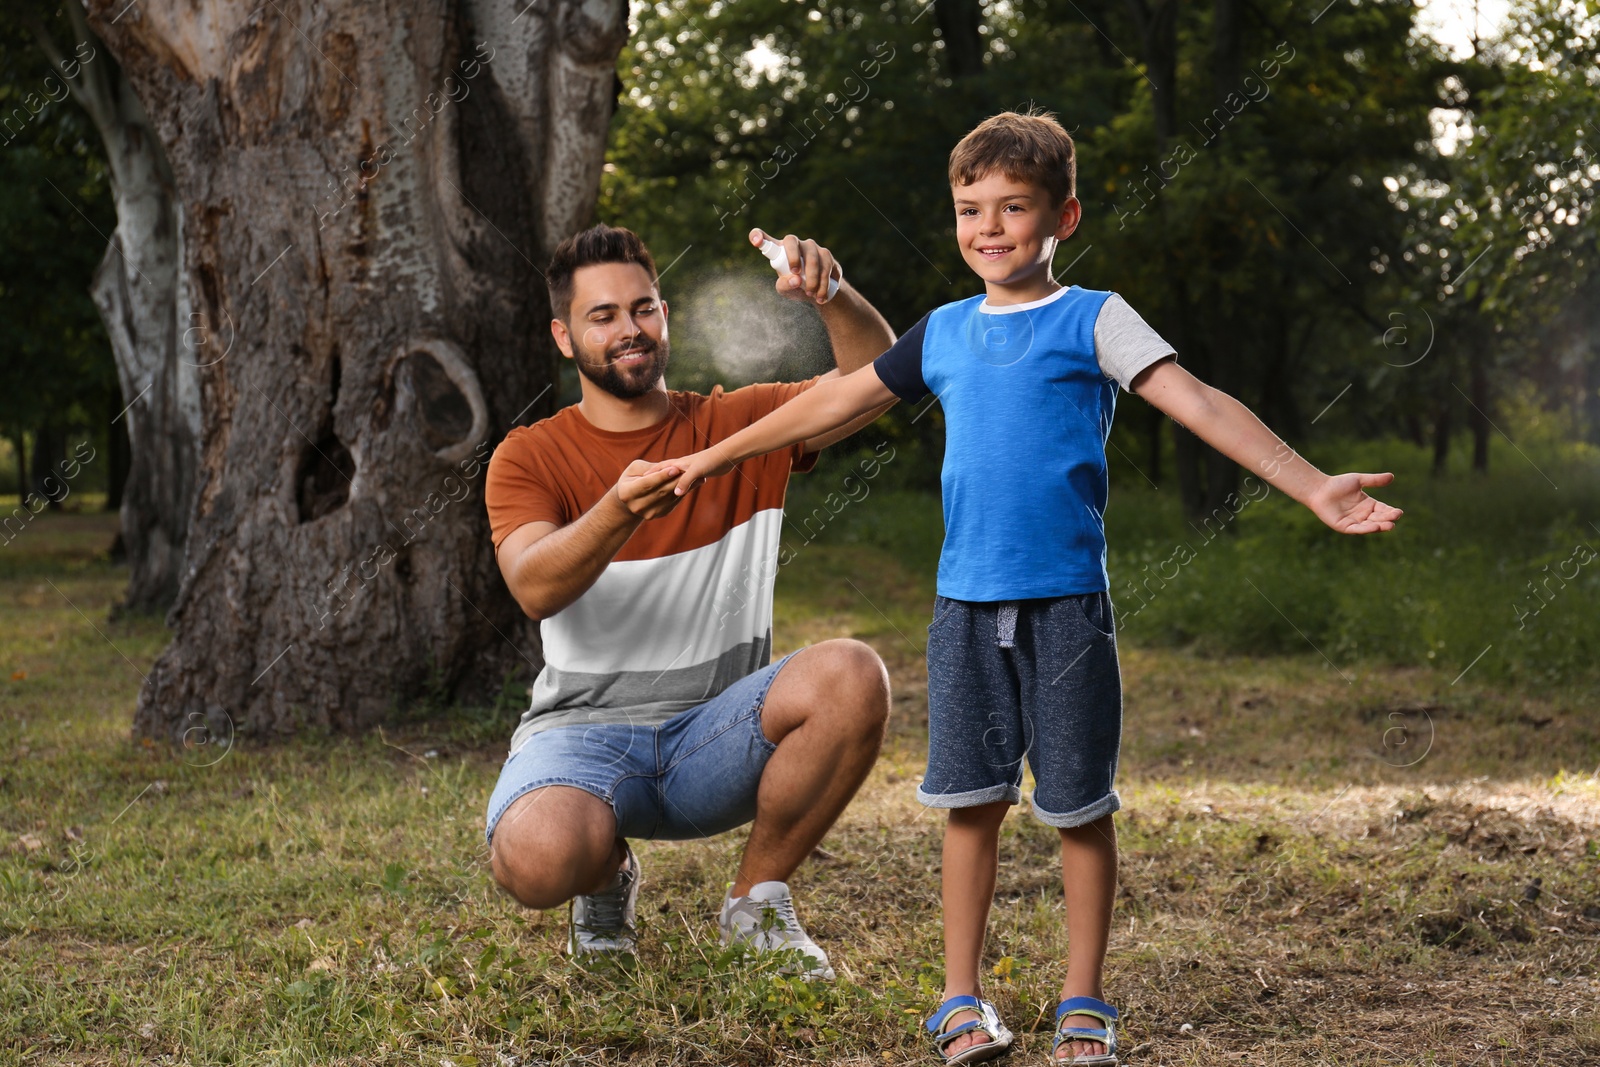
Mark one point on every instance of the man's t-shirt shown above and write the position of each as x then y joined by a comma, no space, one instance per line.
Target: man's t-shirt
685,608
1028,392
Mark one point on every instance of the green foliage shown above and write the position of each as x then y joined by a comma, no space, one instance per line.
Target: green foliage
1297,232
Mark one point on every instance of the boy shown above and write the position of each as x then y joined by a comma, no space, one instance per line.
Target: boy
1021,651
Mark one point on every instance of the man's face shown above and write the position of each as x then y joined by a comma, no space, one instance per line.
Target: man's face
1007,229
618,331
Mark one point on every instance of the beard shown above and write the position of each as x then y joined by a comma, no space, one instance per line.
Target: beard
625,383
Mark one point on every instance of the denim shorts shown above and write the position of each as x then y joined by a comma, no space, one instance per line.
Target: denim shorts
692,776
1024,679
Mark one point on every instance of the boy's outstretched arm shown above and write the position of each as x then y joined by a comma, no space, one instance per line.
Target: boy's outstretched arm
826,406
1228,426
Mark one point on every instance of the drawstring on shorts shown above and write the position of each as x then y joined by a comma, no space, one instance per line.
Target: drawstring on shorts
1005,624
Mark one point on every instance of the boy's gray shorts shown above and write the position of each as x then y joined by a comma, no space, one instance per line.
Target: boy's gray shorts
1034,679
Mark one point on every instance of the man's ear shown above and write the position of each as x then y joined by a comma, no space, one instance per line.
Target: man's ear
563,336
1067,221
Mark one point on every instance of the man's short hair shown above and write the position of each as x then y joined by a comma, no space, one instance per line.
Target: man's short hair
1027,147
597,244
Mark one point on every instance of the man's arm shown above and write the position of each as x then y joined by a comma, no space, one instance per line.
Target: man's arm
547,567
857,332
1228,426
815,414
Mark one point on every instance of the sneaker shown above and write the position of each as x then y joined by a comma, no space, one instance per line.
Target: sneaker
603,922
765,920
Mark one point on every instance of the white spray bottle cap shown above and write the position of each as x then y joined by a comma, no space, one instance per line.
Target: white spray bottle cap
779,258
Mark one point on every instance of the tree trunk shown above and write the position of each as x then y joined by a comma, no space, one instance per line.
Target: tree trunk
1154,420
959,21
1158,45
365,189
1441,438
1480,410
117,461
144,305
49,449
1226,46
21,443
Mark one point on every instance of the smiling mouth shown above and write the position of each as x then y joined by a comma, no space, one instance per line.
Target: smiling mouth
994,253
632,355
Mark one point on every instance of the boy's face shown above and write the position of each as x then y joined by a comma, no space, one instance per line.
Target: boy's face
1008,229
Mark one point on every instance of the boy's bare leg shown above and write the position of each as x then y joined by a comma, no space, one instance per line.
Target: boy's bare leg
1089,877
971,861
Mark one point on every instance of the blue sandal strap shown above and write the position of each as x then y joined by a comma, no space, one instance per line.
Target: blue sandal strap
961,1003
1094,1009
1098,1009
1086,1033
941,1040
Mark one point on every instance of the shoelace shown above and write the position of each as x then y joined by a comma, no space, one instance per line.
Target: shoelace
783,915
605,910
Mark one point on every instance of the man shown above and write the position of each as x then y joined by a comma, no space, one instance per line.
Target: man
657,713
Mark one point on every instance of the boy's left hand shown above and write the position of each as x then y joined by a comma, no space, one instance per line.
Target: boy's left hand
1342,504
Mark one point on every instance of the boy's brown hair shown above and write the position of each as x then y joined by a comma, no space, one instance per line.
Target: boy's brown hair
598,244
1026,147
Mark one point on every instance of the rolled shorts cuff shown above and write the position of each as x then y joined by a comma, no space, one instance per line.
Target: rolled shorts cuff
971,798
525,788
1086,814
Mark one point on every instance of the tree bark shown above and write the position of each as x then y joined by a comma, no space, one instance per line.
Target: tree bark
365,191
144,305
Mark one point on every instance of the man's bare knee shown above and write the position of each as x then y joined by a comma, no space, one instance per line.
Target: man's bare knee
842,680
553,844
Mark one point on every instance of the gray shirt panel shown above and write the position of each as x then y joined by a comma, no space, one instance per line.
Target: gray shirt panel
1124,344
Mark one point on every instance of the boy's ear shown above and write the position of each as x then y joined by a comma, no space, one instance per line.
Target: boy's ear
563,337
1067,221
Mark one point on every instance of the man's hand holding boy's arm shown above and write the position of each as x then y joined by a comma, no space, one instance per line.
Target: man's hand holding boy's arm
831,404
1219,420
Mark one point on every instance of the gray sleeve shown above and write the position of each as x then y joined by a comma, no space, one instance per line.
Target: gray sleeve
1124,344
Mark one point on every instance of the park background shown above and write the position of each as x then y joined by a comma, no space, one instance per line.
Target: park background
1360,775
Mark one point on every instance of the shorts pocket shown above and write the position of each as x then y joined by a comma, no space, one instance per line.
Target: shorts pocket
943,608
1096,609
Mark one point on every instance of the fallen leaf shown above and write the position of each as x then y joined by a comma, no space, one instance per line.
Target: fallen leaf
321,963
302,924
17,676
30,842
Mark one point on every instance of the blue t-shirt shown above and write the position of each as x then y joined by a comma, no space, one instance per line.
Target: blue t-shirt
1028,402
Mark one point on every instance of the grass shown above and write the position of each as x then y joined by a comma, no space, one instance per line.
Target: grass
1298,885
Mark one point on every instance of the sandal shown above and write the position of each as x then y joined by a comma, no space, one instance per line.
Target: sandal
1097,1009
988,1022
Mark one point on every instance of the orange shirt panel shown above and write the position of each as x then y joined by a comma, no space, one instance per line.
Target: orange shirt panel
557,469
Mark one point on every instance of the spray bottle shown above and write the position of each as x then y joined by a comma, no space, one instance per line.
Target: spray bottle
774,251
